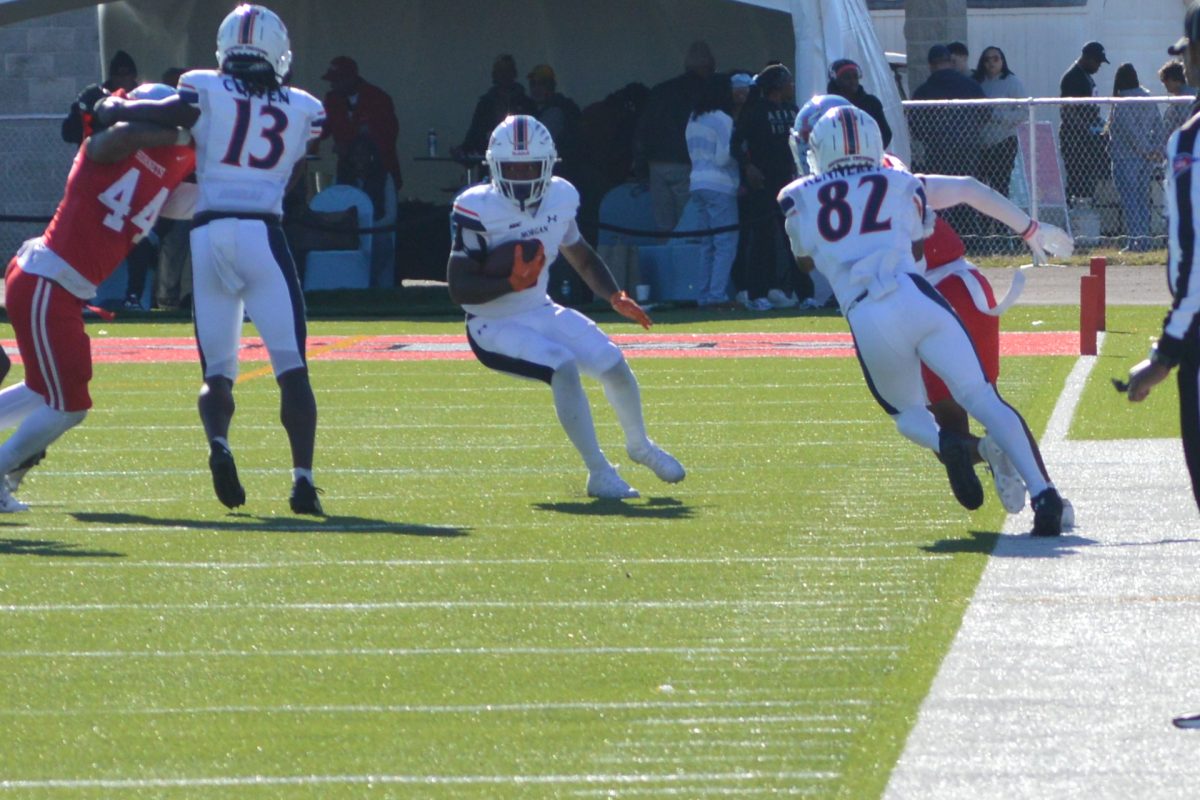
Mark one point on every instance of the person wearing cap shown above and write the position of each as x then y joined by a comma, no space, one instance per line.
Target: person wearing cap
505,97
1080,136
740,83
760,143
660,155
845,79
122,76
1179,342
561,116
355,108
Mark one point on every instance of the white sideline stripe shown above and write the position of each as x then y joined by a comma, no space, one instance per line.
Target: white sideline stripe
74,608
482,708
811,654
470,564
1068,400
429,780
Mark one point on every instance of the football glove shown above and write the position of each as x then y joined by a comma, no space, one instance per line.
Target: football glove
1044,238
627,307
525,272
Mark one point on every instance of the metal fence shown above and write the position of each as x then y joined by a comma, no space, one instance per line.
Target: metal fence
35,162
1093,166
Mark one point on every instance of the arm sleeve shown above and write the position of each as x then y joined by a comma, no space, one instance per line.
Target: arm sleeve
1182,261
944,191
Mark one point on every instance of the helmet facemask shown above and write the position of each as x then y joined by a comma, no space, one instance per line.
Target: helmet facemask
520,158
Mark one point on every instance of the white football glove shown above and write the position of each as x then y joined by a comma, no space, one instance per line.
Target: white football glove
1043,238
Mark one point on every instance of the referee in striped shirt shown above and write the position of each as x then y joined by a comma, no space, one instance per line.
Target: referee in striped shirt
1179,344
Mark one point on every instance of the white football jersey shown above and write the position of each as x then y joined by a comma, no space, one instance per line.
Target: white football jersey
482,218
247,144
843,216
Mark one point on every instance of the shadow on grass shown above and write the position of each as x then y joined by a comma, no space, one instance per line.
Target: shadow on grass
249,522
654,508
49,547
1016,546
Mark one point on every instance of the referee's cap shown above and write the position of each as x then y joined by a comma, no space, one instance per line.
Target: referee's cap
1191,30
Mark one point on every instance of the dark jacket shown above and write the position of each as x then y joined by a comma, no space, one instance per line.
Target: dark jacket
950,135
870,104
760,137
1076,82
490,111
662,129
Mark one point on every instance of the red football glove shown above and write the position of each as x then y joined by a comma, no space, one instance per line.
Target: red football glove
525,273
627,307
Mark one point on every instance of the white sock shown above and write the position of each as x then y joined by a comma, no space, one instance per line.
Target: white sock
221,440
37,432
621,389
298,473
16,403
575,416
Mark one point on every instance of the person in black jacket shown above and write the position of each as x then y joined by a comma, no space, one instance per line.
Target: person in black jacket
845,78
1081,138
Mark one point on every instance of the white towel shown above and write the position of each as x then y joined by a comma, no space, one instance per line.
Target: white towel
876,273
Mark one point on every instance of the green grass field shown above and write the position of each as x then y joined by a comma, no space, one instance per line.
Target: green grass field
467,623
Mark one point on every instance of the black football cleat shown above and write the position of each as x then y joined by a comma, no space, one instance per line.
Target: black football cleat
225,478
1047,513
955,452
304,498
14,478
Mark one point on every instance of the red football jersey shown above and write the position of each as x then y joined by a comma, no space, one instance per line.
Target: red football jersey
943,245
107,208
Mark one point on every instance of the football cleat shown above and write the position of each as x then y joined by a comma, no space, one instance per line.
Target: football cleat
1047,513
660,462
781,299
608,485
13,479
1009,486
304,498
1068,515
225,478
8,503
955,452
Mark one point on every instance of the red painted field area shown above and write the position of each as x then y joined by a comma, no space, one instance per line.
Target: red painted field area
653,345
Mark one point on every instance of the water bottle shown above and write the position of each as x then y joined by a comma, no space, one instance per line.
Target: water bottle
431,143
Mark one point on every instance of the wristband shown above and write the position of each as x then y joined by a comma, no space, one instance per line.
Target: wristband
1160,358
617,295
1030,230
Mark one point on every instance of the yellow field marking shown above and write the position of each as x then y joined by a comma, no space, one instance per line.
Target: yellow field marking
316,353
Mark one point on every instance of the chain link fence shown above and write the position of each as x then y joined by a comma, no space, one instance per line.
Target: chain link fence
1092,166
35,166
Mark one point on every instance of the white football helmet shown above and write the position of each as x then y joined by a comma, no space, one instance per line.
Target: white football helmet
252,31
518,141
844,137
152,91
808,115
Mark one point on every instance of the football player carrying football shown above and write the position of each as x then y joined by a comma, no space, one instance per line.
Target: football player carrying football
120,182
251,133
863,226
514,327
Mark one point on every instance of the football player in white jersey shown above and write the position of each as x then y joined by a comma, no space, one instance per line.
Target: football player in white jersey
863,226
251,133
514,327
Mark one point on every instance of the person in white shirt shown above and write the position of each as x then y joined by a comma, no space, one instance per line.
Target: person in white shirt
714,184
515,328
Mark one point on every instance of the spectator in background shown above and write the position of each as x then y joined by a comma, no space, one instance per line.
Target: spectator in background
999,133
660,144
960,57
845,78
122,75
1175,82
356,108
1080,135
170,76
761,145
505,97
606,149
714,185
740,83
1135,133
561,116
363,169
950,135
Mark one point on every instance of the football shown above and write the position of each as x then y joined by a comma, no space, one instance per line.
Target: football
499,260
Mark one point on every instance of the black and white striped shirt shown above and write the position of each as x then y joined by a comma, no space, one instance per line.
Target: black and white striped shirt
1183,254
